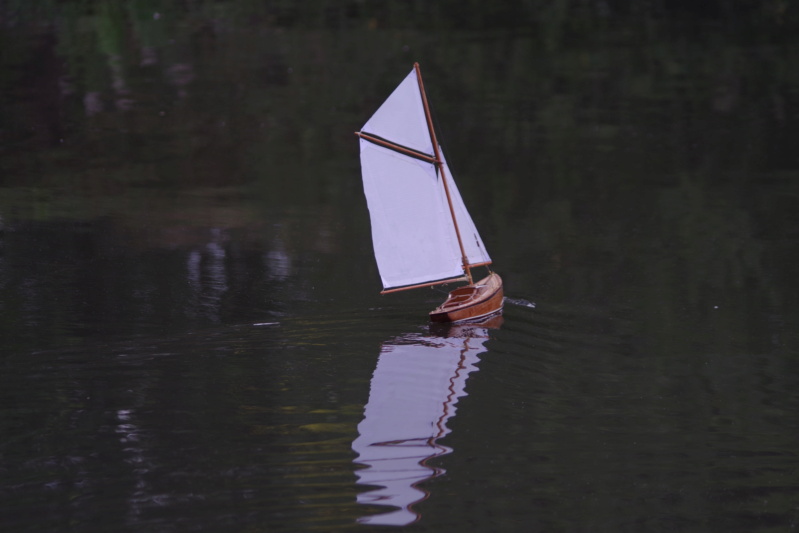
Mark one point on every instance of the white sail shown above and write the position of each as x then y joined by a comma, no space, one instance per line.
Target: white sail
413,232
401,118
472,243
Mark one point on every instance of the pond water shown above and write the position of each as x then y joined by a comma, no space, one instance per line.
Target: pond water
191,335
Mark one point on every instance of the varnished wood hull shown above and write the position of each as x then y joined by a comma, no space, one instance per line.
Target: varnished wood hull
472,302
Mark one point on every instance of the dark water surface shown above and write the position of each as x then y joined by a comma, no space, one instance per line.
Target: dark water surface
191,337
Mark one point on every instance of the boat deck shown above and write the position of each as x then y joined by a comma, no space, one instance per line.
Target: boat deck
474,301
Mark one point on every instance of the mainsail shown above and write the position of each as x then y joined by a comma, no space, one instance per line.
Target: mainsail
413,231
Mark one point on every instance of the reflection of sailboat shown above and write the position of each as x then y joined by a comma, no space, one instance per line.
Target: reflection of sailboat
414,389
421,231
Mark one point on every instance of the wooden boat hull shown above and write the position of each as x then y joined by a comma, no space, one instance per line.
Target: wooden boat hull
472,302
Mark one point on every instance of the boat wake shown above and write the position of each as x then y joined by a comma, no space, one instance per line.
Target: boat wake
520,302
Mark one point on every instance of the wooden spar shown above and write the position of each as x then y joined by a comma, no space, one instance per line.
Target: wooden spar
440,164
483,264
439,282
429,284
396,147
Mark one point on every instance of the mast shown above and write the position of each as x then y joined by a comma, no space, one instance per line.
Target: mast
439,163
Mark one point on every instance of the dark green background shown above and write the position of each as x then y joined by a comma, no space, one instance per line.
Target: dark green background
173,172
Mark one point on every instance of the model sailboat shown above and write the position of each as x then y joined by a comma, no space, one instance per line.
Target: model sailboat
421,231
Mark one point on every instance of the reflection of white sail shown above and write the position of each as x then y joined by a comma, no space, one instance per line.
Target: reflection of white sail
414,389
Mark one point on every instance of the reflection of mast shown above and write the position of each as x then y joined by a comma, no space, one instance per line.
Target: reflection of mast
414,391
451,397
